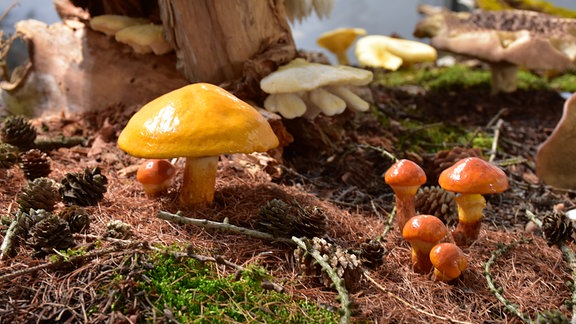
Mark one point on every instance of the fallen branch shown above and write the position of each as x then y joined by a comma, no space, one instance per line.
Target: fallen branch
343,295
175,218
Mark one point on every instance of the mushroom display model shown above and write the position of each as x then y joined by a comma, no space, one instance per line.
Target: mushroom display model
155,176
405,177
470,179
423,232
504,39
302,88
391,53
448,260
198,122
338,41
555,157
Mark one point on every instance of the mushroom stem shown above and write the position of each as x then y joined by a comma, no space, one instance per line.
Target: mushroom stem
405,204
421,258
504,77
470,207
199,181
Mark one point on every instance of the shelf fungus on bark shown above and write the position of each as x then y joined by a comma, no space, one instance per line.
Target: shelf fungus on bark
506,40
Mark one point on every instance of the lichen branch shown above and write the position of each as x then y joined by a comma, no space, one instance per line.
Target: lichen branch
336,280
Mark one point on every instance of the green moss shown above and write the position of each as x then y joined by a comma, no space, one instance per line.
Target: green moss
565,82
195,293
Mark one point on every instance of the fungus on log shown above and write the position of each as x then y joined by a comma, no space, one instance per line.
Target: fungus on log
504,39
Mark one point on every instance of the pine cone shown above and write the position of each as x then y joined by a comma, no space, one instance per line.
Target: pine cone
445,159
18,131
27,219
556,228
8,155
41,193
77,217
83,189
346,265
276,217
35,164
118,229
50,233
310,222
372,253
438,202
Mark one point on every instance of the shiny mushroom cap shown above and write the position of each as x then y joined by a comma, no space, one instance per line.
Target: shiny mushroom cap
197,120
555,157
405,173
424,230
155,175
448,260
473,176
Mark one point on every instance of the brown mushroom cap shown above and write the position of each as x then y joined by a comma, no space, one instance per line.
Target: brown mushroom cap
424,230
405,173
448,260
473,176
155,171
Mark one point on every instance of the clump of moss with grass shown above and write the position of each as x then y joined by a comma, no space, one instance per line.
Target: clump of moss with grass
195,292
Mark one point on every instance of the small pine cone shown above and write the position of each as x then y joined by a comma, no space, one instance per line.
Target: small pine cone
118,229
372,253
8,155
18,131
35,164
50,233
27,219
84,188
445,159
40,193
276,217
77,217
556,228
310,222
347,266
438,202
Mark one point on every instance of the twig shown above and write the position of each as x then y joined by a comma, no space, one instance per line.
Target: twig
9,242
389,221
221,226
381,150
495,139
496,291
379,286
48,144
343,295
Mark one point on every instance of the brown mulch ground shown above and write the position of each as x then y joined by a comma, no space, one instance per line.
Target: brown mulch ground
337,165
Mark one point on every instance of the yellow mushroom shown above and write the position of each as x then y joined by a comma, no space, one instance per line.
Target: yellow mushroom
145,39
111,24
391,53
199,122
339,40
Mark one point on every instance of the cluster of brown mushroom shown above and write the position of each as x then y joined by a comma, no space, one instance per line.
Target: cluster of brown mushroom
469,178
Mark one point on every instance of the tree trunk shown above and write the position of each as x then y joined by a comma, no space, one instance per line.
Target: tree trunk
234,41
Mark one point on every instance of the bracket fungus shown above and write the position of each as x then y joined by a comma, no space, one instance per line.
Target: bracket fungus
111,24
144,39
470,178
555,157
155,176
302,88
405,177
391,53
505,39
199,122
448,260
423,232
338,41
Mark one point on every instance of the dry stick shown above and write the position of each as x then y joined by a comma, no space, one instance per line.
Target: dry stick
221,226
496,291
494,147
447,319
9,242
336,280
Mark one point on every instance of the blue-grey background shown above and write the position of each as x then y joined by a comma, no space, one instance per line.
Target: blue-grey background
382,17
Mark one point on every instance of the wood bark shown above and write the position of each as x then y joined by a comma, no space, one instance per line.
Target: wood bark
233,41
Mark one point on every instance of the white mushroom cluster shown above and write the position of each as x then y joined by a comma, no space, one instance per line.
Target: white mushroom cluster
304,89
139,33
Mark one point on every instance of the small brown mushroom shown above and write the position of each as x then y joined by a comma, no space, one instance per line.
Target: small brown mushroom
155,176
504,39
423,232
448,260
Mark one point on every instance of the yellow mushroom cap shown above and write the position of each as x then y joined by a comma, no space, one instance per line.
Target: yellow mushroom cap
197,120
111,24
339,40
145,38
391,53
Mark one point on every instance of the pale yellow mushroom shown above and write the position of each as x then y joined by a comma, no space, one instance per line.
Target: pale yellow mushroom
111,24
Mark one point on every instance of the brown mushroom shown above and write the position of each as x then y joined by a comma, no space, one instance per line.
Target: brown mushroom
448,260
423,232
155,176
198,122
504,39
471,178
405,177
